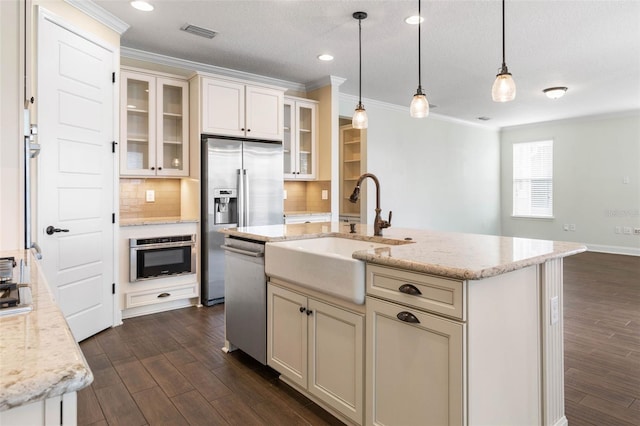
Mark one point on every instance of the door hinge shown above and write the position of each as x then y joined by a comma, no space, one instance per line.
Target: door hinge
113,146
113,288
113,77
113,218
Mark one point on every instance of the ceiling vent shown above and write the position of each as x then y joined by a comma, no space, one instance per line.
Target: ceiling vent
199,31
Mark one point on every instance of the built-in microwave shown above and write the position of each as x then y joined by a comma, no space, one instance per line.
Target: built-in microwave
162,257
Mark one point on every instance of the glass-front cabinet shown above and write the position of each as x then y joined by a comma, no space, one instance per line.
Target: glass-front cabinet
154,125
300,134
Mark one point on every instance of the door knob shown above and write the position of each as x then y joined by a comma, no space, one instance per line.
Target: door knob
50,230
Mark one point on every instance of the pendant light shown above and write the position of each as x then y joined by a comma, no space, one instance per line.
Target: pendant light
360,120
419,107
504,88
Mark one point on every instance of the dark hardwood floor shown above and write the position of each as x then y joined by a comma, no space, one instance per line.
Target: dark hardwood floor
168,368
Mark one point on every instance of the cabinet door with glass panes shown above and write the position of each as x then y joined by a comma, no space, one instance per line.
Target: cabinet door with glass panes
154,120
300,134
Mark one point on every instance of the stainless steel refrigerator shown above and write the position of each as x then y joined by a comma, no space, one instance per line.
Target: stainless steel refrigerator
242,185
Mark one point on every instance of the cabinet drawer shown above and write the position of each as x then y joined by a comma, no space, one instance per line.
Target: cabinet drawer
426,292
160,295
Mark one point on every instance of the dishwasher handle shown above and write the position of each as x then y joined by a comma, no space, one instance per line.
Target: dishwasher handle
243,252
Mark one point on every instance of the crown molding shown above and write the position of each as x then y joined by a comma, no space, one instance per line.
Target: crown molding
170,61
325,81
91,9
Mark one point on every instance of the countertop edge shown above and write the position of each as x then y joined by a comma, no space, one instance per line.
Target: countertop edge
56,372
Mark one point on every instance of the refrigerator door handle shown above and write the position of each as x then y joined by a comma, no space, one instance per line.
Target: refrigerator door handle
241,192
246,195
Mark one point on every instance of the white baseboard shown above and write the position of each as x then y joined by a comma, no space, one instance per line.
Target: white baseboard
631,251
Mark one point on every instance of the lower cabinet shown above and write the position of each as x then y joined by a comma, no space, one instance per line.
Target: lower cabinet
414,367
318,347
55,411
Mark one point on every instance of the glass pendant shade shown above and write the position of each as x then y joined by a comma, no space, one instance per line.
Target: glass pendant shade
360,119
504,88
419,107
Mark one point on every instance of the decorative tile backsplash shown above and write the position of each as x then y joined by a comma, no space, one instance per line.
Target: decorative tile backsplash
307,196
133,196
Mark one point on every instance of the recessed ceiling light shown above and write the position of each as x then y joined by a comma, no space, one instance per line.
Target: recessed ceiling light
413,20
142,5
555,92
325,57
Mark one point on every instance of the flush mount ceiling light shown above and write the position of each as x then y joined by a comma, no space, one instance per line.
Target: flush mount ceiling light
325,57
360,120
504,88
555,92
419,107
199,31
142,5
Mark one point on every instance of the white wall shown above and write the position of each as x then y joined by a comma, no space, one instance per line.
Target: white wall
592,158
11,228
434,173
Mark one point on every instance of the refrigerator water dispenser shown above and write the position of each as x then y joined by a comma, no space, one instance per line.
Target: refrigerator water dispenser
225,205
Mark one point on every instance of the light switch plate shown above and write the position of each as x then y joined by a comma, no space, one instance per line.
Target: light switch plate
151,195
554,310
325,194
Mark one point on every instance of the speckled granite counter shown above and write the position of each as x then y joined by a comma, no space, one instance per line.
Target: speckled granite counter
449,254
39,358
155,221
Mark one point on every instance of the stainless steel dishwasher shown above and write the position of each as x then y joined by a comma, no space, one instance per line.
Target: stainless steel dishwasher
245,286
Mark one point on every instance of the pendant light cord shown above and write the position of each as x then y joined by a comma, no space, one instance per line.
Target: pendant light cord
503,61
419,47
360,62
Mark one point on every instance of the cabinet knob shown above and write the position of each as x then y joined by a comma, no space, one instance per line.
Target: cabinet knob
302,309
153,168
159,168
248,130
242,129
408,317
309,312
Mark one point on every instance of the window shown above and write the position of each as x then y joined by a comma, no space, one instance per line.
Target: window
533,179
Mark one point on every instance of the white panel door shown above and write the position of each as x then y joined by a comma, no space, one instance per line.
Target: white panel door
76,174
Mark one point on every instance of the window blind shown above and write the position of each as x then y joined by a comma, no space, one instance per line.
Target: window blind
533,179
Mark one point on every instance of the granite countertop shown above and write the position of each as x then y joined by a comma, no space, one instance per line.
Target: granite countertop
39,358
155,221
448,254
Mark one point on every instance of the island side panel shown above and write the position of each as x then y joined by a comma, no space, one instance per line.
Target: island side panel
504,355
552,327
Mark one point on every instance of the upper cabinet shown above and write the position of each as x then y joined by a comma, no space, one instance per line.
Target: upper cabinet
233,108
154,125
300,134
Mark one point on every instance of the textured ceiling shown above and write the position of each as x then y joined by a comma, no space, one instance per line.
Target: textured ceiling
592,47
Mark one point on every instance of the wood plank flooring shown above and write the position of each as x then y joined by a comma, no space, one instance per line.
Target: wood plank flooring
168,369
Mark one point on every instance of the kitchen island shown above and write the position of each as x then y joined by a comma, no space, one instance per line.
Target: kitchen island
459,328
41,365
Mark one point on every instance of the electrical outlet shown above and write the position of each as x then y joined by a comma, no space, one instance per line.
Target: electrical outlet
325,194
151,195
284,194
618,229
566,227
572,227
627,230
625,180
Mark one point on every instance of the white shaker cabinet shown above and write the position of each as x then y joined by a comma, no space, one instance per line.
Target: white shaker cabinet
317,347
233,108
300,136
154,125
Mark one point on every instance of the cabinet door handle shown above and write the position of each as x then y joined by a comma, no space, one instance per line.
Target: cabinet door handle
164,295
407,317
409,289
309,312
302,309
